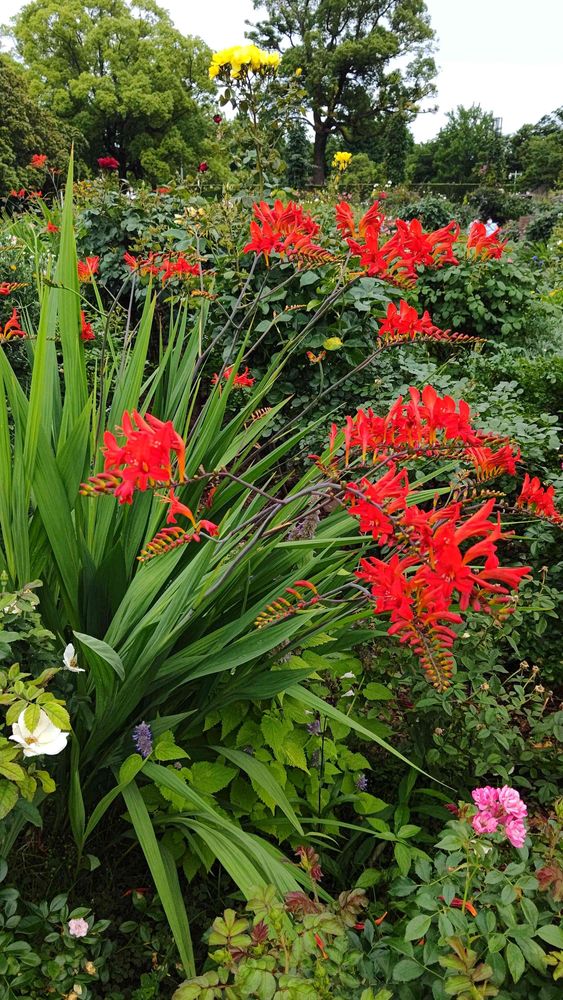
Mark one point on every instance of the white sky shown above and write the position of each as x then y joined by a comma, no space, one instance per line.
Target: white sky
506,55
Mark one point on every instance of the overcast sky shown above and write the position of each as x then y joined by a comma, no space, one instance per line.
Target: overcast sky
506,55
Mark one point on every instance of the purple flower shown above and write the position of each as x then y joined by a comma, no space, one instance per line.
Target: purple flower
314,727
361,782
142,738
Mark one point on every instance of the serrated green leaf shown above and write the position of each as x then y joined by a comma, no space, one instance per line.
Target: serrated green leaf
31,717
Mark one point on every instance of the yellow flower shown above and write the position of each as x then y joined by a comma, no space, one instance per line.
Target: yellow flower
341,160
298,71
234,58
333,343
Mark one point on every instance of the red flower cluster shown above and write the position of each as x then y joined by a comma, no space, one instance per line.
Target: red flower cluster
283,229
488,247
86,331
166,266
108,163
51,227
244,380
425,424
38,160
444,560
143,460
404,324
88,268
12,327
423,589
18,194
539,499
398,257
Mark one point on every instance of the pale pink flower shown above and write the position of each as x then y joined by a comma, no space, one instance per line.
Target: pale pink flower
78,927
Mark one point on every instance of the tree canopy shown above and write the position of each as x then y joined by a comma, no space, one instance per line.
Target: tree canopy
467,149
25,129
359,60
123,75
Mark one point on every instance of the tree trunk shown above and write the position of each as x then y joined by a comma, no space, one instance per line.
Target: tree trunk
319,157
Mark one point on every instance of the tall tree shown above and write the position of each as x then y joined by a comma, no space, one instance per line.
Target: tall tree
25,129
468,148
353,57
536,152
123,75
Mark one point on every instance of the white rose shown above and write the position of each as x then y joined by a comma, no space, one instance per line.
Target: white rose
45,738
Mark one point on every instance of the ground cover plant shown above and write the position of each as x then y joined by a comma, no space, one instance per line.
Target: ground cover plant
246,631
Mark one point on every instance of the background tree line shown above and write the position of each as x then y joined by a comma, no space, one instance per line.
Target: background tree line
122,81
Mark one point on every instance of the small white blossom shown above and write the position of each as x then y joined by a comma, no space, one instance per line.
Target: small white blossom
349,694
348,675
70,660
45,738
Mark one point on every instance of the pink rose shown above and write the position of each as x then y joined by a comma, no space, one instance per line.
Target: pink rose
516,832
485,798
511,802
78,927
484,823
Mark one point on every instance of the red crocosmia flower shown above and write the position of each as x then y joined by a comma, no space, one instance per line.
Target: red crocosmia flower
217,119
489,463
144,267
539,499
17,194
459,904
209,526
86,331
12,327
243,380
320,945
176,507
398,258
7,287
88,268
145,458
316,359
38,160
486,247
380,919
51,227
163,190
445,559
35,194
179,267
404,323
108,163
202,167
283,229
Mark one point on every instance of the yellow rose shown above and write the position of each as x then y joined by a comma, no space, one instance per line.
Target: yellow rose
298,71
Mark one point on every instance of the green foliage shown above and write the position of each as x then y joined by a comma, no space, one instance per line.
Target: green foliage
344,50
297,155
491,299
467,148
299,951
26,128
21,634
498,204
38,955
433,210
124,77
